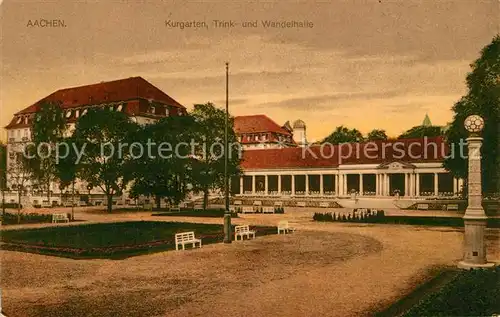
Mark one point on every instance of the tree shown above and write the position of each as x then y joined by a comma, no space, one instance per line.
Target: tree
19,175
3,173
67,169
421,131
482,98
208,166
344,135
164,174
105,137
48,130
375,135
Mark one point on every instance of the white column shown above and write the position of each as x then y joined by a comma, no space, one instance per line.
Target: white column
345,191
266,185
460,184
337,183
241,185
361,184
407,187
436,184
321,184
293,185
253,184
377,184
412,185
417,185
307,185
279,184
387,185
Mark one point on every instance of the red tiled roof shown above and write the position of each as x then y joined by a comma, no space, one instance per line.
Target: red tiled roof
378,152
105,92
136,90
257,124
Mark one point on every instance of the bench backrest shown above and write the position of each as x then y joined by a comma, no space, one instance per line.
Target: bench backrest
283,224
257,203
237,202
422,206
242,229
278,203
324,204
301,204
184,236
452,207
268,209
59,216
247,209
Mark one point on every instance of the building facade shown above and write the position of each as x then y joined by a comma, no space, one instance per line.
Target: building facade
140,100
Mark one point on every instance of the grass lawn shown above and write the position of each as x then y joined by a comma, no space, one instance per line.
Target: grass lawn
453,293
110,240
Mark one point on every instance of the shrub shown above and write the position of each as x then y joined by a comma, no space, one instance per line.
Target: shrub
11,218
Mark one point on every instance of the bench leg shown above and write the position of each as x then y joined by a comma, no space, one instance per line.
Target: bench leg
176,247
183,246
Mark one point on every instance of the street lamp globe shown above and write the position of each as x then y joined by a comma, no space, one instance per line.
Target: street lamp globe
474,124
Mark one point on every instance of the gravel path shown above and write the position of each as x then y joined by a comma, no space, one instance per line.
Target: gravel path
324,269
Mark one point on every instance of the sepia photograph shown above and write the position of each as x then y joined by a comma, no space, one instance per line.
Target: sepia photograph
224,158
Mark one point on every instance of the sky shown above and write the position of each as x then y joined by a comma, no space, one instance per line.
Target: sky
363,64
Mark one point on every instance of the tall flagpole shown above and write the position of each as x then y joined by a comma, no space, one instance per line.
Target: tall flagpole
227,213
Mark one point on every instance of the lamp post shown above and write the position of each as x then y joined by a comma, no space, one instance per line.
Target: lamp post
475,217
227,213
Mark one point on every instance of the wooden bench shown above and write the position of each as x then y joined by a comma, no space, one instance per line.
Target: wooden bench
278,204
247,209
237,202
148,207
452,207
198,207
257,203
242,231
268,210
59,218
184,238
46,204
324,204
284,226
301,204
82,203
422,207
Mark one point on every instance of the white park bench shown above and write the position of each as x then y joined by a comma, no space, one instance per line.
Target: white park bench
247,209
257,203
301,204
268,210
242,231
46,204
324,204
232,209
362,210
59,217
284,226
278,204
452,207
82,203
148,207
237,202
422,207
184,238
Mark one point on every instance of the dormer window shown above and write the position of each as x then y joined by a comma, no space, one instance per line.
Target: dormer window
19,119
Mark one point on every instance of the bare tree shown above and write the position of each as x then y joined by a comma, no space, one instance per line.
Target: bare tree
19,175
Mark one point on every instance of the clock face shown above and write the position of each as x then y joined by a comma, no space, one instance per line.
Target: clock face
474,123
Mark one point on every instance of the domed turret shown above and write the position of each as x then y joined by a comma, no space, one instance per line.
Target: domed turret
299,124
299,132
